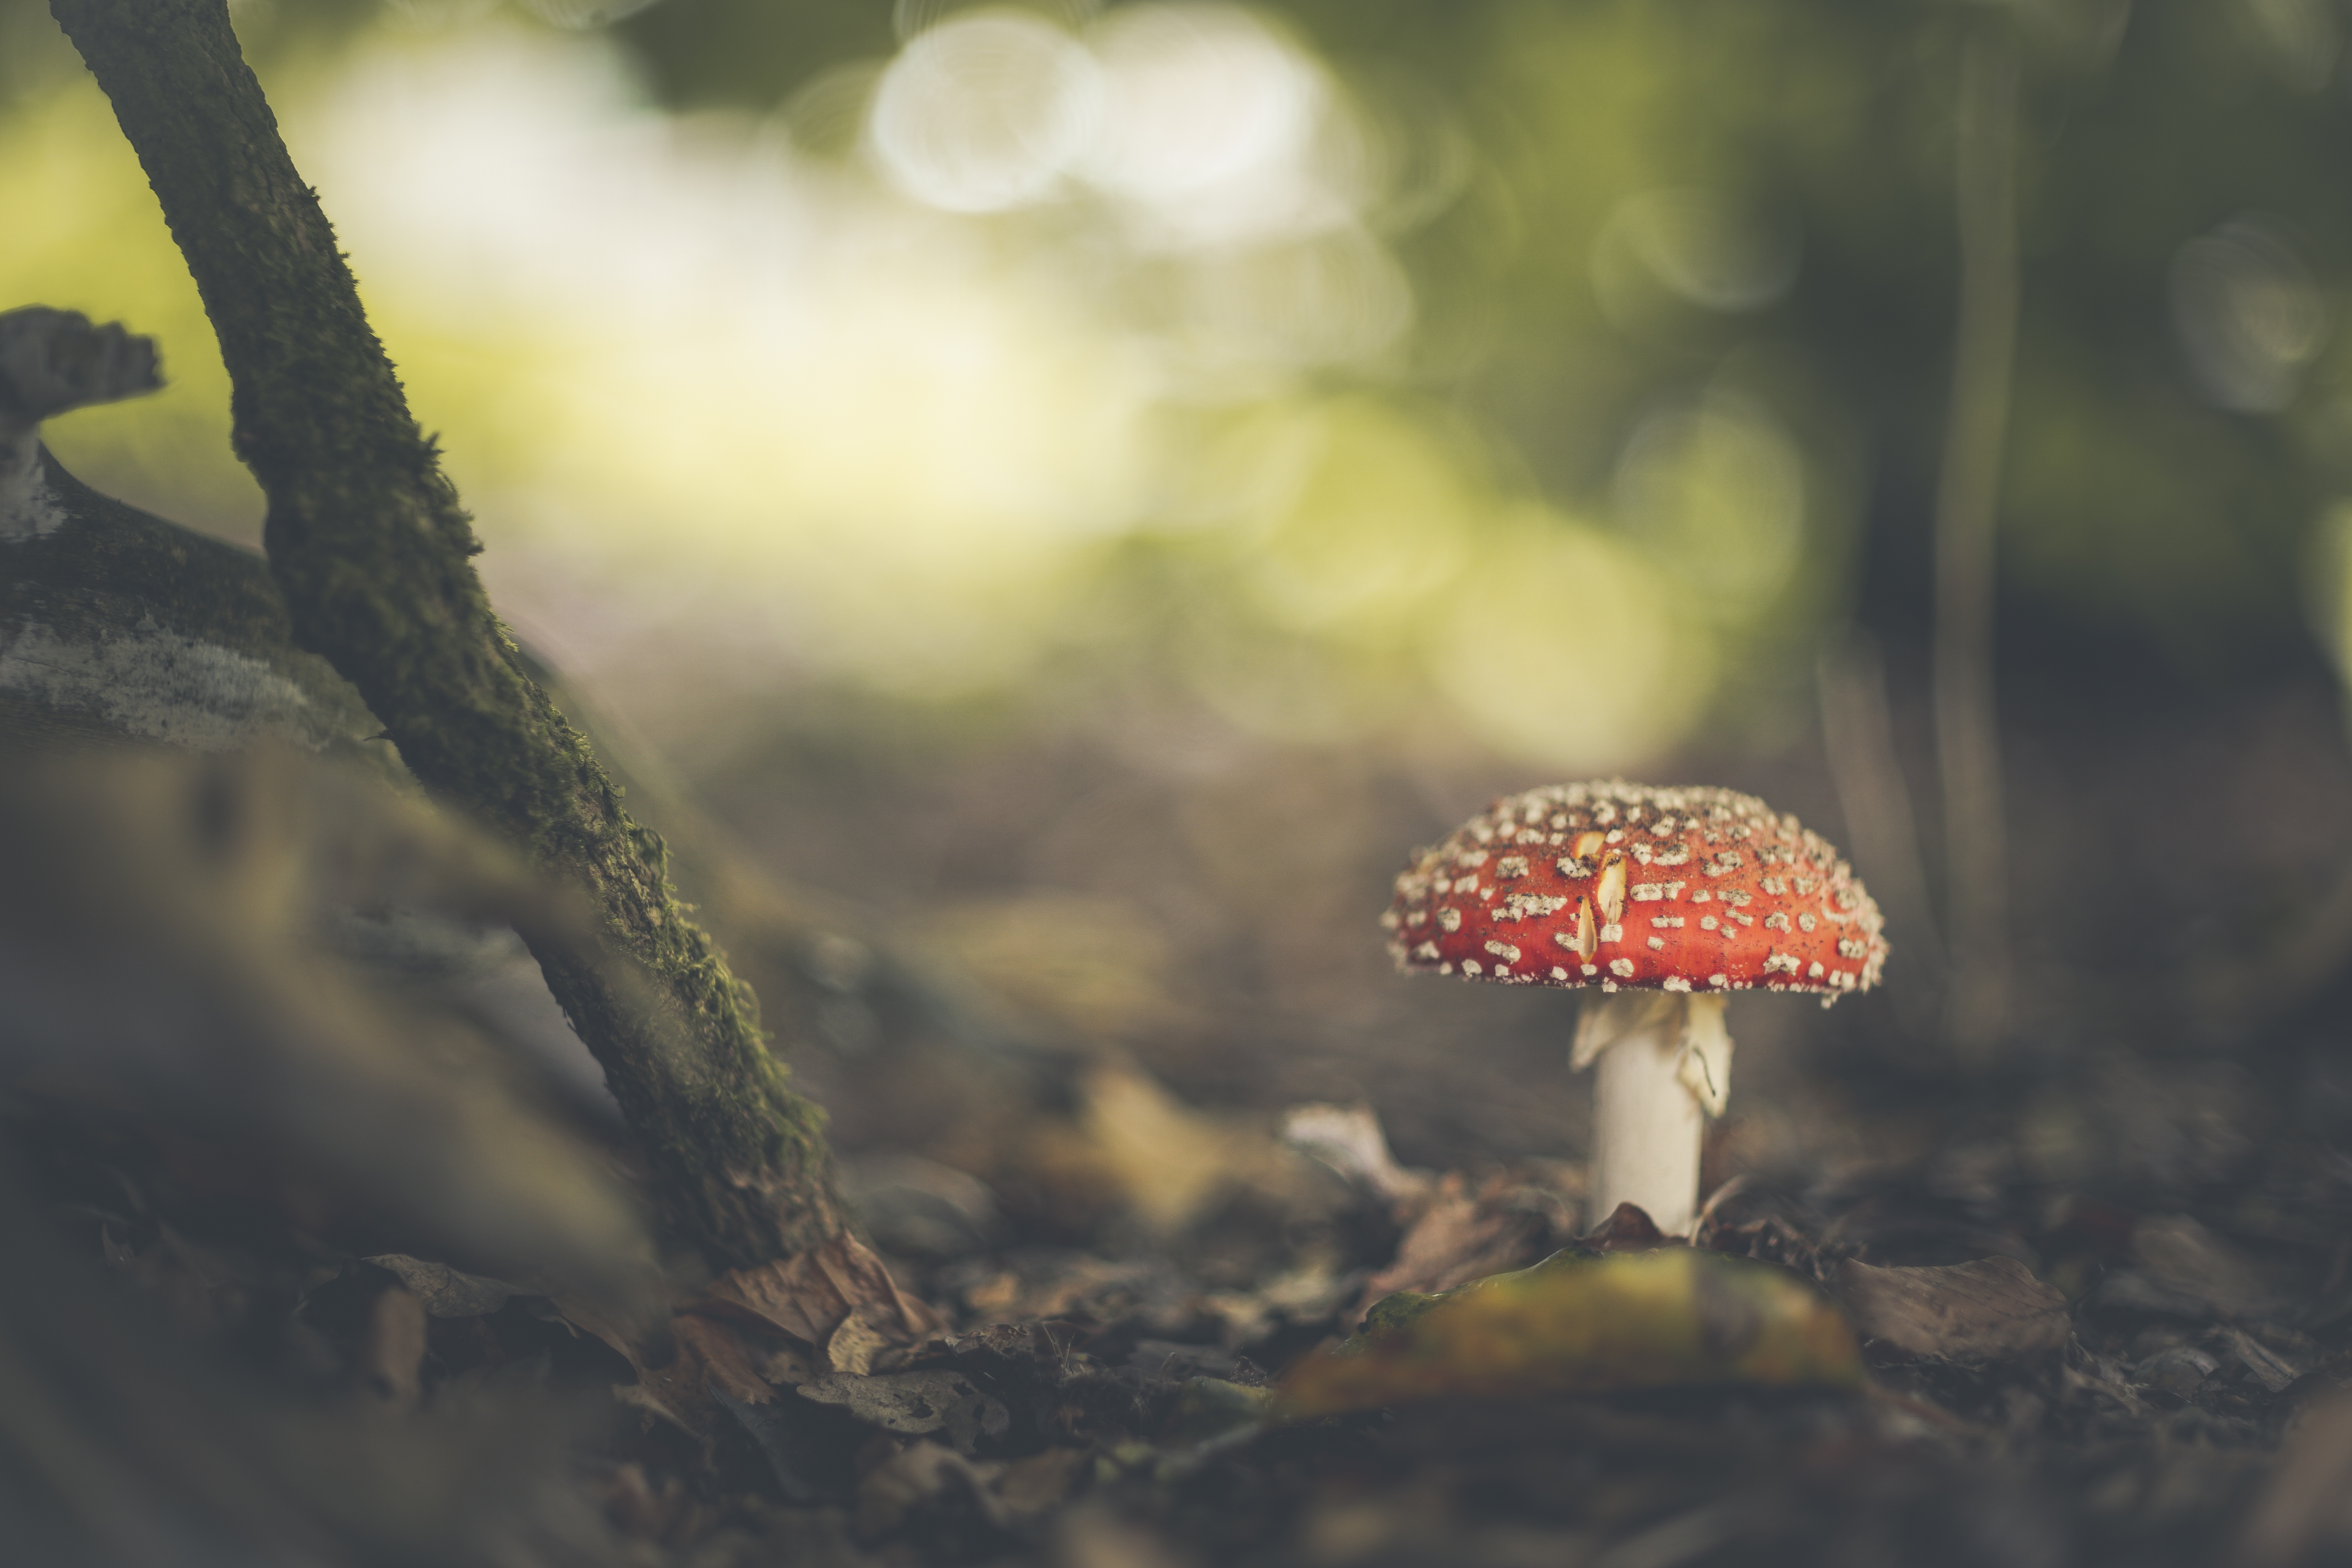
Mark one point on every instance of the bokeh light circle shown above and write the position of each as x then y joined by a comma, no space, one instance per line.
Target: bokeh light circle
1715,494
2248,317
985,112
1561,646
1203,95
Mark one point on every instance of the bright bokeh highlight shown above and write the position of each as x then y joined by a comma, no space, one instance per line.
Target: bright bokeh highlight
907,409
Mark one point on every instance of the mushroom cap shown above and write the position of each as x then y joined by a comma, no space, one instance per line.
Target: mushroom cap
1624,885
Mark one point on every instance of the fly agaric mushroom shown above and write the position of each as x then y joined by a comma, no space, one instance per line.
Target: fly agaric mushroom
1667,901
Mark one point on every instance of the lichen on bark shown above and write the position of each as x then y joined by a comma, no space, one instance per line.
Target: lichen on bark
373,552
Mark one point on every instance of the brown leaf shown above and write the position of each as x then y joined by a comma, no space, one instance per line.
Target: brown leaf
853,1346
837,1300
808,1296
710,1354
1461,1236
446,1293
2184,1257
392,1353
1990,1310
1349,1138
915,1404
1627,1229
624,1334
2272,1370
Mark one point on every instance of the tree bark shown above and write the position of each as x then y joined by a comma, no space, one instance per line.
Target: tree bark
372,551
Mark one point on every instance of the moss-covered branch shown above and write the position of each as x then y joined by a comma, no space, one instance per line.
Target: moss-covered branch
372,551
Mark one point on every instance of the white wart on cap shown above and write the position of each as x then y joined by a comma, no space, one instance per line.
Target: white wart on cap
1620,884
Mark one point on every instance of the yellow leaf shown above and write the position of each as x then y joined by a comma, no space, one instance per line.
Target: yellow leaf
1674,1318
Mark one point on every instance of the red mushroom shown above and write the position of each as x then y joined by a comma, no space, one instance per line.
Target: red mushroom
1667,899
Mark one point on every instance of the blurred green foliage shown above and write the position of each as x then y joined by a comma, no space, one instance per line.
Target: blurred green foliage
2132,502
1682,279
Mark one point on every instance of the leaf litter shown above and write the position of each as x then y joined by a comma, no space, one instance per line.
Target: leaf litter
229,1333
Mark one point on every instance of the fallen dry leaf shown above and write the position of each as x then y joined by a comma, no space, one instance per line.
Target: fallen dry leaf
810,1295
709,1354
1990,1310
837,1300
1671,1318
446,1293
1627,1229
1462,1236
1077,1286
2274,1371
1350,1140
623,1332
854,1345
916,1404
2182,1256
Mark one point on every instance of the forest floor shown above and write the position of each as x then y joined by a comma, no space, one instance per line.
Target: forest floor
1130,1232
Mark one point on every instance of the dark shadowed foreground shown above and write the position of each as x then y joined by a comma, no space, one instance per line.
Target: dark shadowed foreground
322,1248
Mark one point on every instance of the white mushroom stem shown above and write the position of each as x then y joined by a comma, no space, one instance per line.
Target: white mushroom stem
1664,1068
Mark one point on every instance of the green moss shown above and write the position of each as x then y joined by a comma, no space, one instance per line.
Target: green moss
373,554
111,573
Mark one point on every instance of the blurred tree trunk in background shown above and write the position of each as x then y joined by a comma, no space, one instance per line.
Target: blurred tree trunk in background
1968,725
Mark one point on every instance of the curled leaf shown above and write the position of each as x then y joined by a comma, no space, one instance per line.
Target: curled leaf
811,1295
1578,1324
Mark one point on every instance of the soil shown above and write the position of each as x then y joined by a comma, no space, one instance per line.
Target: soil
235,1362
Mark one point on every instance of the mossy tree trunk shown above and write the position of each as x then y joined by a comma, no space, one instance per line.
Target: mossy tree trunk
373,552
